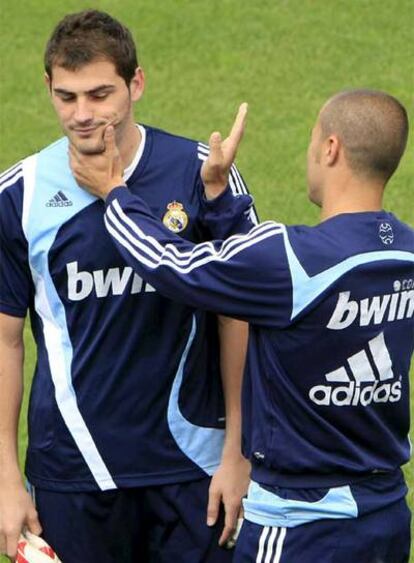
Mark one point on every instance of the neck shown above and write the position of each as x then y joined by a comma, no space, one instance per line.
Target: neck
351,196
128,145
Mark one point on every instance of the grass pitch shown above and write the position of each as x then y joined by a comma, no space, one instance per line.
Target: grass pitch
284,57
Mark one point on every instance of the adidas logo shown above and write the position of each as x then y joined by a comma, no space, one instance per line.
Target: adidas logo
59,200
372,376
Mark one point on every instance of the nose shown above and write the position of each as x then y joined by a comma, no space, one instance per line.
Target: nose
83,112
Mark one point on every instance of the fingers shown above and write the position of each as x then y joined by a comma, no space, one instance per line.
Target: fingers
33,523
11,543
213,507
215,156
73,155
109,139
2,543
10,538
239,123
237,131
230,522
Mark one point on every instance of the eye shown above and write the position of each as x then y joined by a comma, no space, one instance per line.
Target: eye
66,97
99,95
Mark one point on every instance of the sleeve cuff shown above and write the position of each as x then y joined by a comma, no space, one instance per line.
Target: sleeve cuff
116,193
12,311
219,203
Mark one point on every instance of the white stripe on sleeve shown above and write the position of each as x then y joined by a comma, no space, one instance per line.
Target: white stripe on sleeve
153,254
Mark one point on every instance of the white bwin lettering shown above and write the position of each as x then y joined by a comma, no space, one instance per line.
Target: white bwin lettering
113,282
371,310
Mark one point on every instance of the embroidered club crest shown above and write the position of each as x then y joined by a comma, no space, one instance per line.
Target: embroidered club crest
176,219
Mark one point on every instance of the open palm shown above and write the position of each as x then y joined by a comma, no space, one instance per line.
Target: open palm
215,170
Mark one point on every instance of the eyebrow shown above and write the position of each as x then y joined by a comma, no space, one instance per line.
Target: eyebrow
97,90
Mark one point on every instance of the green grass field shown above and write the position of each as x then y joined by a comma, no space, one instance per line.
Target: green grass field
284,57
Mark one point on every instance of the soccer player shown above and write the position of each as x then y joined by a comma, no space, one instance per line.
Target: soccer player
331,307
127,421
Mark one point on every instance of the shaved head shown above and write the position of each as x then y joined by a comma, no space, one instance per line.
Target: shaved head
372,127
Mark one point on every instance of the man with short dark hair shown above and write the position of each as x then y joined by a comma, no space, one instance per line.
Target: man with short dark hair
331,312
131,447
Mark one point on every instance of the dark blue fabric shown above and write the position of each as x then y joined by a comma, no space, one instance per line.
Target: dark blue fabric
165,524
331,311
126,340
382,536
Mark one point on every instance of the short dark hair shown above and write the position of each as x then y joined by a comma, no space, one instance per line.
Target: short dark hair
91,35
373,128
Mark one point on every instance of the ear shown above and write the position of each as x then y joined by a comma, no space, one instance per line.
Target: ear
331,150
48,82
137,84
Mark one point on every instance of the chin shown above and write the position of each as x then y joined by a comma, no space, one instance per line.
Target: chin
90,147
91,144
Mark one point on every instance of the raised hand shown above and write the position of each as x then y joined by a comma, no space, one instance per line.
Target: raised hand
215,170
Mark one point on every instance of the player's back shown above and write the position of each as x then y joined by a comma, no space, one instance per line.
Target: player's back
327,392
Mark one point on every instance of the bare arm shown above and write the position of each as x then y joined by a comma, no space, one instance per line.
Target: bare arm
16,507
230,482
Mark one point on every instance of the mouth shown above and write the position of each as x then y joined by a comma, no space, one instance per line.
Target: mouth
85,132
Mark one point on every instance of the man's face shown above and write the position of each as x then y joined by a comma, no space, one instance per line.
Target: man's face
314,165
90,98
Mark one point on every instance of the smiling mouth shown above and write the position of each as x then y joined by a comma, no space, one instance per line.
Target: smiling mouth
86,131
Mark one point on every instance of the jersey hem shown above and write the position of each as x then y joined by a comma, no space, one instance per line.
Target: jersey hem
269,477
12,311
120,482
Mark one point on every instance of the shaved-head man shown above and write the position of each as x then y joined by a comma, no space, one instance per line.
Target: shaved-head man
326,387
372,128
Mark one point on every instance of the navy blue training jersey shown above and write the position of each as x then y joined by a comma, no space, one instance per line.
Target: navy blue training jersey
326,389
127,390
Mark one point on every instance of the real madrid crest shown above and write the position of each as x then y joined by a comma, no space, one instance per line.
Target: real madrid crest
176,219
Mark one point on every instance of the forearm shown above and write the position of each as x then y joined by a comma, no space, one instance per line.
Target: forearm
11,391
234,277
230,482
233,336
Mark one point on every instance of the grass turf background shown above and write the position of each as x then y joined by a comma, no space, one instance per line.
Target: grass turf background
201,59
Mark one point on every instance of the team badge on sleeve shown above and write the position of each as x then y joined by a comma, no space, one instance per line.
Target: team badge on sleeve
176,219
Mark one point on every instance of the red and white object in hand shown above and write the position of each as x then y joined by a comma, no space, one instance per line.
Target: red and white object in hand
32,549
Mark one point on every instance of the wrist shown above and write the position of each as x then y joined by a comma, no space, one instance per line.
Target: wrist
212,191
11,476
232,452
115,183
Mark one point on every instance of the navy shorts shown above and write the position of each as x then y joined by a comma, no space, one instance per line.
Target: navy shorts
382,536
163,524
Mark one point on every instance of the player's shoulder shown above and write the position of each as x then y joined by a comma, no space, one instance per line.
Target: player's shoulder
346,237
11,195
174,142
11,177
